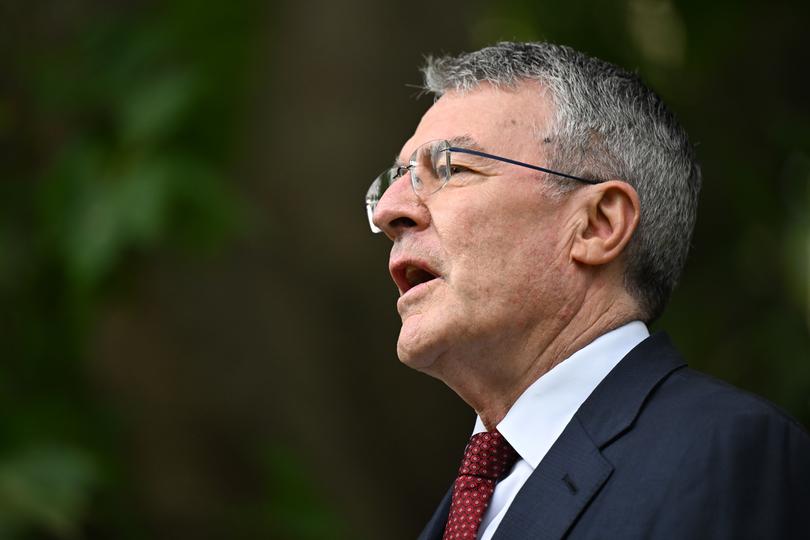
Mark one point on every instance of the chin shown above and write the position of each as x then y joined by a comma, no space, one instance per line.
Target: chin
416,358
415,349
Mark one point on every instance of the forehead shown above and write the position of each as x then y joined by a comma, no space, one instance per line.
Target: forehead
497,119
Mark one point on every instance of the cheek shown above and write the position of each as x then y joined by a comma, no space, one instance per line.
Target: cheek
504,244
505,253
512,275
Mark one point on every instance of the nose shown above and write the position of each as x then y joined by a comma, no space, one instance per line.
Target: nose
400,210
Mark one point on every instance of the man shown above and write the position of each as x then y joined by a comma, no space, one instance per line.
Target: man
540,215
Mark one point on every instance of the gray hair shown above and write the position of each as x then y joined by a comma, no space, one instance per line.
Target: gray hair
607,124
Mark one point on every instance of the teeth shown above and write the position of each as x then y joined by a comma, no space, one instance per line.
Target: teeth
411,273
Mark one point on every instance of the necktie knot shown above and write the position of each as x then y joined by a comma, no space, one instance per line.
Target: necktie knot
487,459
488,455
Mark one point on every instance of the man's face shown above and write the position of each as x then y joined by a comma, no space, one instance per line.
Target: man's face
480,264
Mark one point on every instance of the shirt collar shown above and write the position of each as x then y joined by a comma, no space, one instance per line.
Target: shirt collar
540,414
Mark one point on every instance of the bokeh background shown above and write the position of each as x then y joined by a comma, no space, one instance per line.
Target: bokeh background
197,335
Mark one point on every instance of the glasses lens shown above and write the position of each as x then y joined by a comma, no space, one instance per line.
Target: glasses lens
375,193
430,167
430,171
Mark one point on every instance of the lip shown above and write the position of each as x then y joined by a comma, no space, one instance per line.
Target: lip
401,268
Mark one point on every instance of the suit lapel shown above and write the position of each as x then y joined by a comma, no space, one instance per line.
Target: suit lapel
554,495
574,470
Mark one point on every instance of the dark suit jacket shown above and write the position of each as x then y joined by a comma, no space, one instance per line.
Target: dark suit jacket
661,451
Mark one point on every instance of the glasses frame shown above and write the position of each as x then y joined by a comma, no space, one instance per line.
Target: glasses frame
398,171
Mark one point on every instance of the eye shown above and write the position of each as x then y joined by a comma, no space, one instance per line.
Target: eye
455,170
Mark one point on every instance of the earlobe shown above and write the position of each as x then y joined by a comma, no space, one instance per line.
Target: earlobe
611,212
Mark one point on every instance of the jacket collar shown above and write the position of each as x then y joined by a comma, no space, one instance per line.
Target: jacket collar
574,470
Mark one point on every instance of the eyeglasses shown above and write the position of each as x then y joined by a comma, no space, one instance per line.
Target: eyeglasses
432,166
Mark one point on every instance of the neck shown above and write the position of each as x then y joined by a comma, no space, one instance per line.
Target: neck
494,392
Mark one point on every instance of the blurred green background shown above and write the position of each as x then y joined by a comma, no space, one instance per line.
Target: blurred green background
198,330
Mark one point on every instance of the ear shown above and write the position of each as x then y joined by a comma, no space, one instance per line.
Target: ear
612,212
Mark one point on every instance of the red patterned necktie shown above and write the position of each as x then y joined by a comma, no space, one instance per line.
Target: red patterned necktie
487,459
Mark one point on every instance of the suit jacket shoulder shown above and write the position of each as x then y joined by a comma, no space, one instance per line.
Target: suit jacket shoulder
662,451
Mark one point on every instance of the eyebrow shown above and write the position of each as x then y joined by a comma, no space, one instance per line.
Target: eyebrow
465,141
460,141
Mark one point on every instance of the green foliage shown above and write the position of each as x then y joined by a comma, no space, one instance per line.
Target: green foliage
117,126
295,509
45,487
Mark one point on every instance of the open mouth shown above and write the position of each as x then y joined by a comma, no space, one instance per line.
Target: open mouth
416,276
409,275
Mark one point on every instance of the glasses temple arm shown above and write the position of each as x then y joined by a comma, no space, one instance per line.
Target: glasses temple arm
521,164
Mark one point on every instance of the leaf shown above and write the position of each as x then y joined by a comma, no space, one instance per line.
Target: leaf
156,108
46,488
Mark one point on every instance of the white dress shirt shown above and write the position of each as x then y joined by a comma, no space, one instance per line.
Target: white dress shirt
541,413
